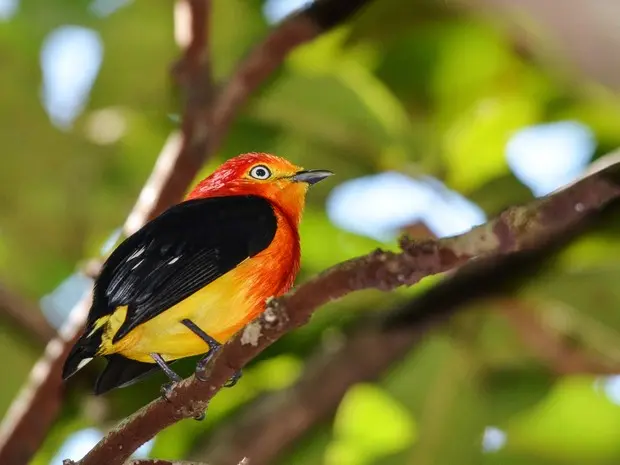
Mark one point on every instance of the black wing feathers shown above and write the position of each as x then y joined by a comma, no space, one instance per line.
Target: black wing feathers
178,253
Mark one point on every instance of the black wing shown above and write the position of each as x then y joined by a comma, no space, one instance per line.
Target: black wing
178,253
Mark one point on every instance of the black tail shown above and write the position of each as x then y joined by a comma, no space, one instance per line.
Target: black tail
82,352
120,372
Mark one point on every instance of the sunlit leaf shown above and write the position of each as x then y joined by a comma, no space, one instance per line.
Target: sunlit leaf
372,422
576,423
474,144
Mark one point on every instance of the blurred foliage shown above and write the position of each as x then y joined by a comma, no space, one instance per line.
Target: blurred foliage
415,87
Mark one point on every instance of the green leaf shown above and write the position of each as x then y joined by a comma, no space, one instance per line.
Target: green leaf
369,422
340,452
236,26
474,144
437,382
275,373
576,423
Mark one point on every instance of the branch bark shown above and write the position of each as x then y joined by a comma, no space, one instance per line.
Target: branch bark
273,423
527,229
206,120
243,461
158,462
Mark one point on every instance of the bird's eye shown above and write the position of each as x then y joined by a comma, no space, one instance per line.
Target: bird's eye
260,172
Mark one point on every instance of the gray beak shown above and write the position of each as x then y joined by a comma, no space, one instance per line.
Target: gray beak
311,176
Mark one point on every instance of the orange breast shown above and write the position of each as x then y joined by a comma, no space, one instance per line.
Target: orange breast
278,265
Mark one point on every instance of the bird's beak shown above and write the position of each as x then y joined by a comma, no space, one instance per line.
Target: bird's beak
311,176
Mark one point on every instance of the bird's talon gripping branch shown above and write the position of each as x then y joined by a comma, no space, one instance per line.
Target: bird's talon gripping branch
234,379
208,263
166,390
201,367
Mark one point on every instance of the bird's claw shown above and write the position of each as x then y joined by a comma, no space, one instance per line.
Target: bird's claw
201,366
234,379
166,390
200,374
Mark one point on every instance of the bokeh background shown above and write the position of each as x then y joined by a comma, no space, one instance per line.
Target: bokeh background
434,115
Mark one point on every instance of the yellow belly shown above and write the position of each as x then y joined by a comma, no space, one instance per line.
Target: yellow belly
220,309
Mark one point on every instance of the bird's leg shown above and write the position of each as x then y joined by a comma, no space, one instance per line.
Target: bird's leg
214,346
166,389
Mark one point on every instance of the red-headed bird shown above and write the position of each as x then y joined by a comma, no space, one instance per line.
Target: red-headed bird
192,277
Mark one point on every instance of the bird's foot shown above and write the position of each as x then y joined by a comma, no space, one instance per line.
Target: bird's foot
212,344
166,393
233,380
166,390
201,366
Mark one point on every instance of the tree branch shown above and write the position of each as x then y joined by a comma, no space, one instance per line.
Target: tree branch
527,228
272,423
206,120
156,462
243,461
26,316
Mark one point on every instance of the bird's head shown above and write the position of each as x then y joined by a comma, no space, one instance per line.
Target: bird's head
265,175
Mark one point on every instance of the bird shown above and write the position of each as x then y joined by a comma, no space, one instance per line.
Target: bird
188,280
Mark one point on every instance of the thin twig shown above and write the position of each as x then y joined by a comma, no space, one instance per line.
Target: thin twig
522,229
562,356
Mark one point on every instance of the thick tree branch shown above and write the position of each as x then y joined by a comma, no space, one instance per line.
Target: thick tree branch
158,462
272,423
26,317
527,229
168,462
